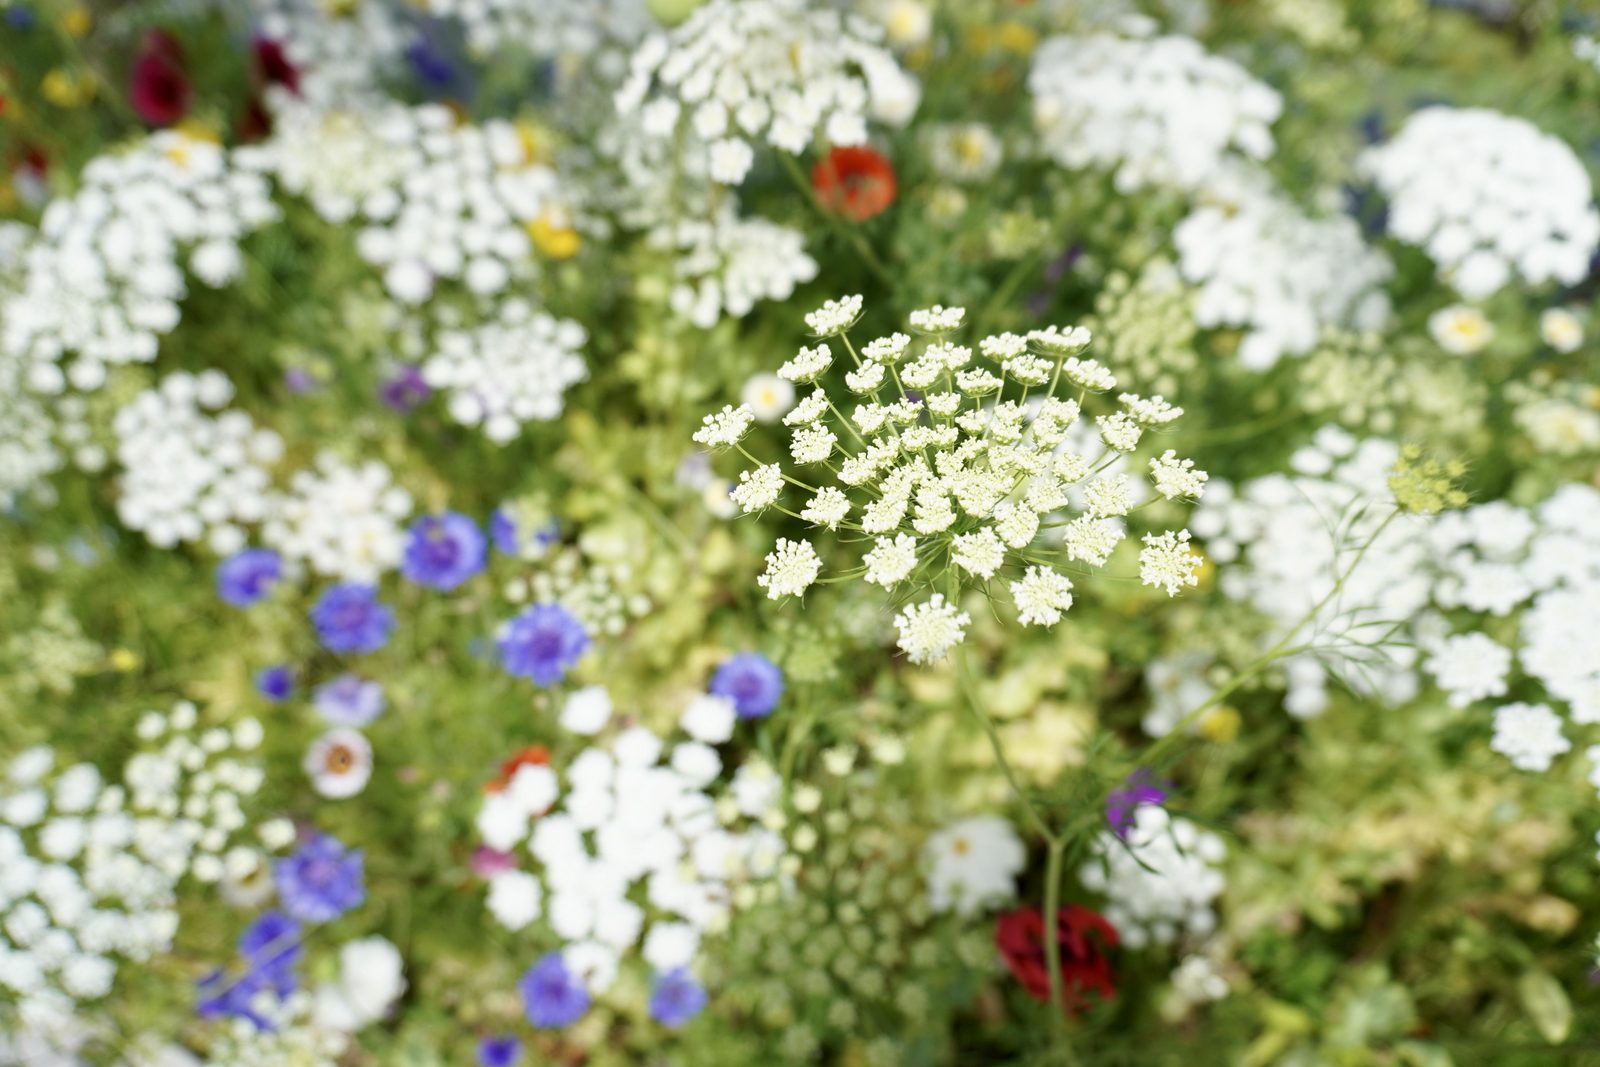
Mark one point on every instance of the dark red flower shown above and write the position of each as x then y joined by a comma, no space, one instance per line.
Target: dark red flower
255,124
855,182
159,89
1083,936
273,66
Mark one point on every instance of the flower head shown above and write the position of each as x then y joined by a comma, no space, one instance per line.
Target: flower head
751,681
1140,788
854,181
543,643
350,619
275,683
246,577
339,763
159,89
349,700
676,998
1083,937
552,996
443,551
320,881
499,1051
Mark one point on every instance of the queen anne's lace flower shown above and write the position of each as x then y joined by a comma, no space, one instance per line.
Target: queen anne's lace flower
344,521
1487,196
775,71
1157,111
942,481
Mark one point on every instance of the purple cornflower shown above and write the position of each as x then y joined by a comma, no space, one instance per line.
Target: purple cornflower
349,618
321,881
1141,788
499,1051
405,390
752,681
552,995
677,998
218,997
349,700
246,577
443,550
542,643
271,948
275,683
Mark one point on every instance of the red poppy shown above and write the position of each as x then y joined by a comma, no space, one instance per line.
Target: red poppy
159,89
855,182
1083,936
273,66
530,756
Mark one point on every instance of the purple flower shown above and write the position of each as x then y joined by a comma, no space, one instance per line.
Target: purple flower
349,700
443,551
677,998
271,948
321,881
508,538
499,1051
350,619
752,681
275,683
246,577
1141,788
299,381
542,643
405,390
552,995
219,997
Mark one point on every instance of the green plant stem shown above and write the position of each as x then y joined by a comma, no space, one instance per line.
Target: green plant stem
850,234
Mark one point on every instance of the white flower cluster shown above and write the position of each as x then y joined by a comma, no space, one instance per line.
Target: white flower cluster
291,1035
724,264
191,470
1158,111
509,370
27,452
957,477
1161,882
89,869
635,812
1263,265
1288,539
102,282
741,72
545,28
436,199
341,520
342,51
1487,196
973,864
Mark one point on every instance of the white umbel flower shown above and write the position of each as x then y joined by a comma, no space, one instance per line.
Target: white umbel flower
930,630
1041,596
725,428
1167,562
791,568
1529,735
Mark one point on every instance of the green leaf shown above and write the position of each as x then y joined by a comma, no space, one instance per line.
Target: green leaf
1547,1004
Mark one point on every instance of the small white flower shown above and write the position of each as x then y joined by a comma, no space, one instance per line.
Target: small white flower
812,444
835,317
709,719
767,396
586,710
339,763
980,553
1560,329
928,631
759,488
938,319
791,568
808,365
828,508
1176,478
1166,561
1041,596
891,561
1119,431
1529,735
1460,330
726,427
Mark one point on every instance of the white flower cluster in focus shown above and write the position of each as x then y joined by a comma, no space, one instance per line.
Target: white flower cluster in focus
341,520
940,474
1487,196
192,470
509,370
1157,111
1162,882
739,73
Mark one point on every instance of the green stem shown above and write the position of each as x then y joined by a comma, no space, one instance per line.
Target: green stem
850,234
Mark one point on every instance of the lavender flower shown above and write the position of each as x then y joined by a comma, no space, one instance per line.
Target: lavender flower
275,683
405,390
349,618
751,681
271,947
247,577
500,1051
443,551
542,643
1141,788
349,700
321,881
553,996
677,998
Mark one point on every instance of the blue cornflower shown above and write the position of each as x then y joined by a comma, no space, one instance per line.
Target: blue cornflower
275,683
349,700
752,681
246,577
349,618
271,948
507,534
552,995
217,997
499,1051
677,998
542,643
321,881
443,550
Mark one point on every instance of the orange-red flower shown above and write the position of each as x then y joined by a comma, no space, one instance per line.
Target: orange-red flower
855,182
529,756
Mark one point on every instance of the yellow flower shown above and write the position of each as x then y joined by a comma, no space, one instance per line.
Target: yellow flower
65,88
75,21
124,660
532,140
1016,38
555,239
1220,725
